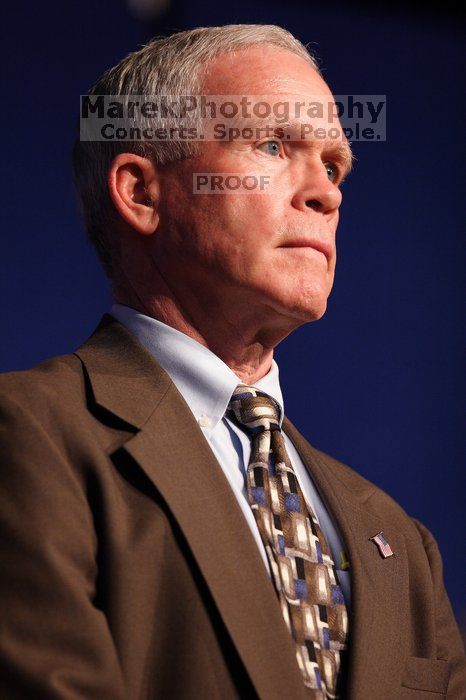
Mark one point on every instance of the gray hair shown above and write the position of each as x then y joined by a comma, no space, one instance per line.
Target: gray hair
174,65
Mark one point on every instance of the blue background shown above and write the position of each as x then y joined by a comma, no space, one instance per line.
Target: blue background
377,382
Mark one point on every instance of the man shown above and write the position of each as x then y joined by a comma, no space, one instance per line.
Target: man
166,531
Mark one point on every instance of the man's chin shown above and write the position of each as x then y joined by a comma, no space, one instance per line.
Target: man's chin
311,312
303,310
304,299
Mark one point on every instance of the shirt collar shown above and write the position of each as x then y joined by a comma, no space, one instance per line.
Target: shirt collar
204,380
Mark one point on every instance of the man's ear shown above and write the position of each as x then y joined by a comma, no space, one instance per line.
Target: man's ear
134,188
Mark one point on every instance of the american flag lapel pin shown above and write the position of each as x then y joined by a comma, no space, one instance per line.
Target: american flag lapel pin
382,545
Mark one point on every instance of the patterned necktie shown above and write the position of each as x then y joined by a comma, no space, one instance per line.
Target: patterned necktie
302,567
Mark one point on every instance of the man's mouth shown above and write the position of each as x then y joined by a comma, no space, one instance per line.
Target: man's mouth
320,246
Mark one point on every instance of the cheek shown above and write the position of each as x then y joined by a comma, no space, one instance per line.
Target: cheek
237,228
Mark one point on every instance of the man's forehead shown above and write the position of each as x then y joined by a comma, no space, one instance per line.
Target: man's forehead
307,84
263,68
272,76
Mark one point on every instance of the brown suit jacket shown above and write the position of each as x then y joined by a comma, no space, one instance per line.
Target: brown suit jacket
127,570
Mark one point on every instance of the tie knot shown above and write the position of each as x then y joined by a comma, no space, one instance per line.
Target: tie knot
254,410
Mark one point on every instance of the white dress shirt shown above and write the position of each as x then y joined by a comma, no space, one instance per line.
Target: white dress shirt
207,383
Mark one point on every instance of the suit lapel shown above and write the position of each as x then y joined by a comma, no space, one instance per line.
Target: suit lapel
379,587
171,449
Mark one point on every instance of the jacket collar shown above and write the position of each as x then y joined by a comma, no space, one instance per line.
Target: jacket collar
171,449
124,378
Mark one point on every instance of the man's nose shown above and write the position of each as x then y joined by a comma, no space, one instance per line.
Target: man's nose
317,192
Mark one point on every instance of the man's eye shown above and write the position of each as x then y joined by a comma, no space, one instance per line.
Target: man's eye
332,171
272,147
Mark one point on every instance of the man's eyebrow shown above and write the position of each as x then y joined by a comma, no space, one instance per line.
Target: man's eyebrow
345,156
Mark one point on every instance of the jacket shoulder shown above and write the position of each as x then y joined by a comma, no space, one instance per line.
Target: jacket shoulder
56,380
